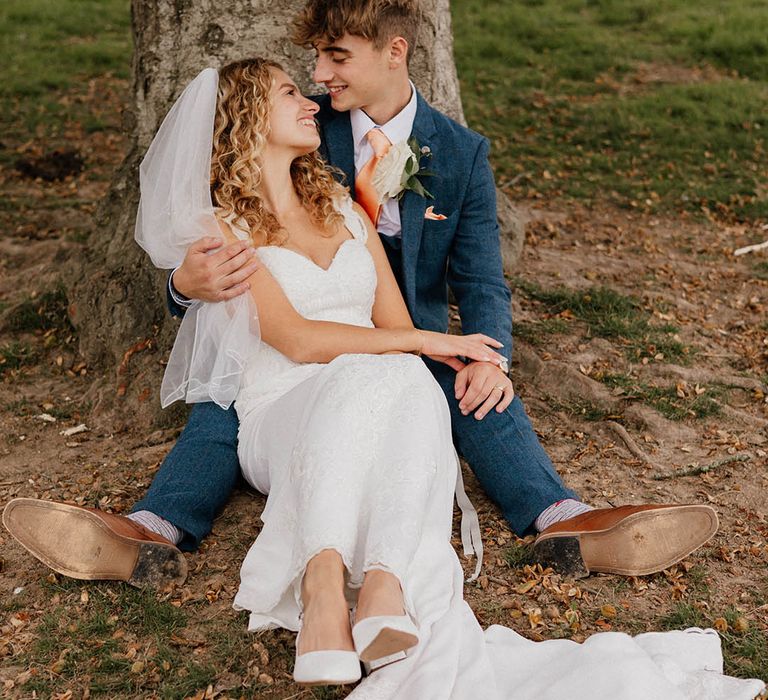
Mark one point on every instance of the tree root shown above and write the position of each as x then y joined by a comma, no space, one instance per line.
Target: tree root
704,468
742,416
704,376
631,445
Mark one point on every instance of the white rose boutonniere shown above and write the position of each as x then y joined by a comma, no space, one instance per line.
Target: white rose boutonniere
400,170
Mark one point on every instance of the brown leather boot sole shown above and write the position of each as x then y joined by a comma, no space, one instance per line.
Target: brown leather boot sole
78,543
641,543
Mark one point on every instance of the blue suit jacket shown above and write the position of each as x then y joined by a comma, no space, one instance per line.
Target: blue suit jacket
463,251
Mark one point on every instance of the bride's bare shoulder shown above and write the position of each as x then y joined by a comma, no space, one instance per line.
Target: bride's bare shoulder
238,230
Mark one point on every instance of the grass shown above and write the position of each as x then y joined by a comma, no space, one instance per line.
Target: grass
537,332
555,84
653,105
581,98
698,578
45,312
609,314
683,615
518,554
667,400
581,408
85,37
15,355
125,642
745,652
760,270
57,46
328,693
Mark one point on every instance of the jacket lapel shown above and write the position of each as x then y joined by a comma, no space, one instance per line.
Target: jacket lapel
338,146
413,206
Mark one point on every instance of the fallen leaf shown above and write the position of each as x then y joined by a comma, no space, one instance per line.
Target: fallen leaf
720,624
741,624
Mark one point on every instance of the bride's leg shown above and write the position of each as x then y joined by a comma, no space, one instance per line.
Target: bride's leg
383,631
380,594
325,623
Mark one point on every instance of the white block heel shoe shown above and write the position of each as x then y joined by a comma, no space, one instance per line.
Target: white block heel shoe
370,666
384,636
326,667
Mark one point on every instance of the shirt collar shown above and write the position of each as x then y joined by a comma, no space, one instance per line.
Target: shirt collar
396,129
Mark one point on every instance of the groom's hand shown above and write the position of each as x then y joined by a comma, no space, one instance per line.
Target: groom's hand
483,385
218,276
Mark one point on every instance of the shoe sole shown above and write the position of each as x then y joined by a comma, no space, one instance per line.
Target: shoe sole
642,543
78,544
387,643
372,666
322,683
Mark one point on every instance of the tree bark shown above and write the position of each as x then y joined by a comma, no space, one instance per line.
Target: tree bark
118,298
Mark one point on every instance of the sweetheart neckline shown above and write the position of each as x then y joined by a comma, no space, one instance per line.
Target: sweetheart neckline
308,259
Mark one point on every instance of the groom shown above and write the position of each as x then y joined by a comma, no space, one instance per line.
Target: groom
448,240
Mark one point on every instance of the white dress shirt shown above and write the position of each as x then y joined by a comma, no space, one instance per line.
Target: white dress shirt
176,295
396,130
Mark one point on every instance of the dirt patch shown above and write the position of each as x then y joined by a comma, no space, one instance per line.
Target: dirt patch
60,639
649,75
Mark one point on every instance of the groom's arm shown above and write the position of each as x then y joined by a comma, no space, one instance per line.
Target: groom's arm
210,276
177,302
475,271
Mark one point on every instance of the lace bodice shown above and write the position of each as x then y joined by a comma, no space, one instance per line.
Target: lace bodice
344,293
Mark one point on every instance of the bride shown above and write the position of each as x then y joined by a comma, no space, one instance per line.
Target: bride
345,429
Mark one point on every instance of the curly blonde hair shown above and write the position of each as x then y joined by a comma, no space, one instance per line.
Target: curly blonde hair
240,132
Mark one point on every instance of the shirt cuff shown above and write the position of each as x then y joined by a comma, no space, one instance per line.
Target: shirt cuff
177,296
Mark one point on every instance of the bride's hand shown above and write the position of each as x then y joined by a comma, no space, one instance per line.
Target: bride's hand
446,348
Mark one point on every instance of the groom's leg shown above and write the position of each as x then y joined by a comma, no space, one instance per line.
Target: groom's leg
514,470
198,474
192,485
506,456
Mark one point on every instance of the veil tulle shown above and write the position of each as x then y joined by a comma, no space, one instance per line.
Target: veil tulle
175,210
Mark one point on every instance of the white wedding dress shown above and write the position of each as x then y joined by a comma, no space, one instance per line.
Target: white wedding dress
356,455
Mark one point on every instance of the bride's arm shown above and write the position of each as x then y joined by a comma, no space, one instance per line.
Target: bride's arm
389,308
305,340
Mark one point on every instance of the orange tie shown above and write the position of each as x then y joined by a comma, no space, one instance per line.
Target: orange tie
365,193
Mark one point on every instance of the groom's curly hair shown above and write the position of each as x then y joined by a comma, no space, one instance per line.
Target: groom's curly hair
375,20
240,131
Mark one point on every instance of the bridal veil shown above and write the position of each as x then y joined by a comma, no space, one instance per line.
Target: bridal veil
175,210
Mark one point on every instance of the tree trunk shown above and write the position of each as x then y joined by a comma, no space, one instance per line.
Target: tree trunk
118,297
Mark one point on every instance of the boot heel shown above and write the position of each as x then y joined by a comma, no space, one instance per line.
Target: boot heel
563,554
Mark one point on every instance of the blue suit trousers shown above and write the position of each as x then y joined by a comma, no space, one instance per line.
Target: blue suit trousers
196,478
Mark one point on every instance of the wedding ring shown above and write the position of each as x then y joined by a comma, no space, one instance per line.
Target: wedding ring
504,365
500,388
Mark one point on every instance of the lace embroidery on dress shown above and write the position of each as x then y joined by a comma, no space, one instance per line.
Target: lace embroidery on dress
352,220
357,455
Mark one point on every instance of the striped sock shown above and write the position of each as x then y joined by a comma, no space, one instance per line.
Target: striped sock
160,526
557,512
